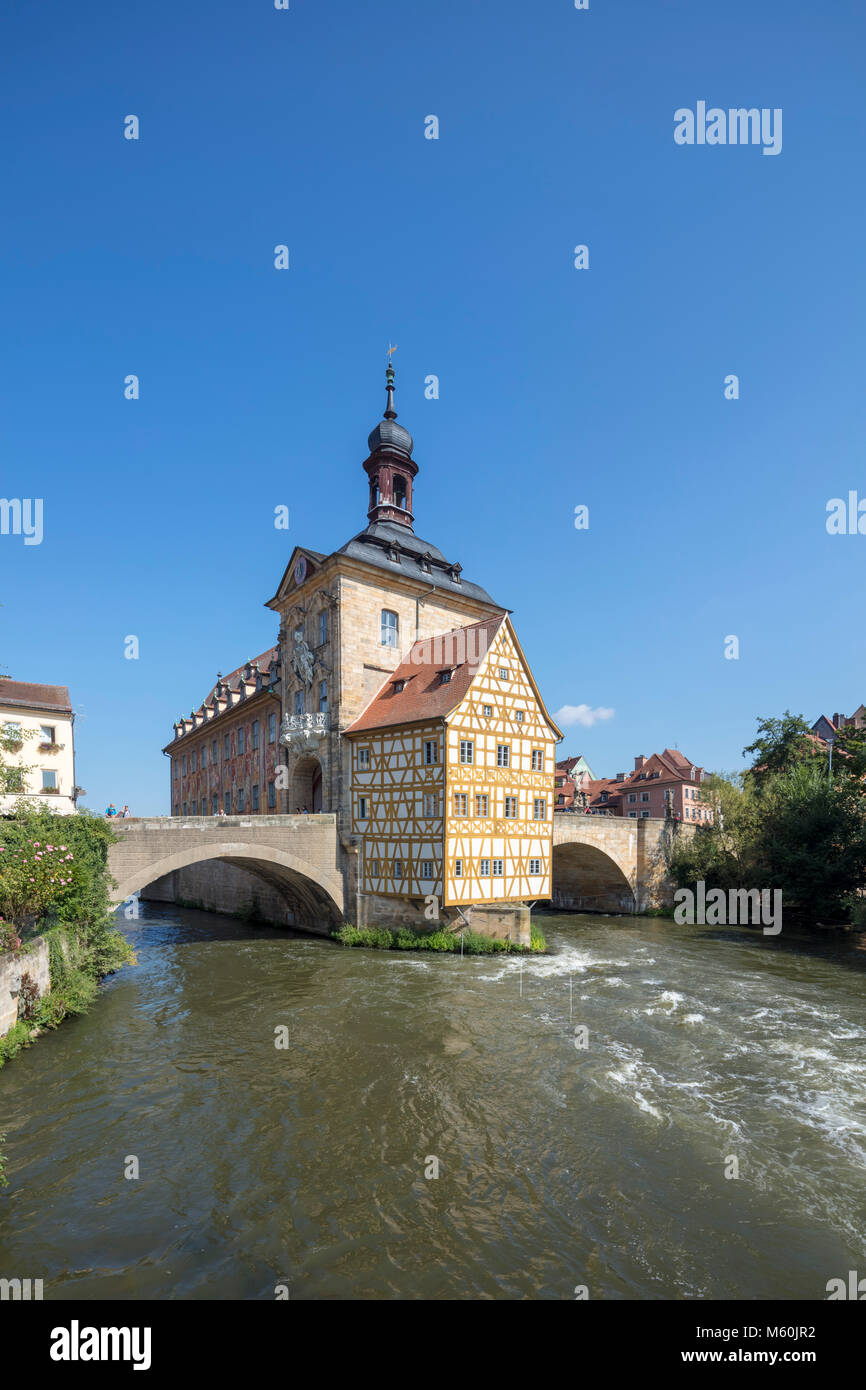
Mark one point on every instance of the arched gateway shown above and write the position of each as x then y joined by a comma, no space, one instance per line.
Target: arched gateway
295,855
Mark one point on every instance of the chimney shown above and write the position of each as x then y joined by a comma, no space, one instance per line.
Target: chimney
639,762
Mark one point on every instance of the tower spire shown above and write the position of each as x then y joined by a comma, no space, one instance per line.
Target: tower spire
390,466
390,412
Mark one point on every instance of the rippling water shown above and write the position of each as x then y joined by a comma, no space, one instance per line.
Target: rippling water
558,1167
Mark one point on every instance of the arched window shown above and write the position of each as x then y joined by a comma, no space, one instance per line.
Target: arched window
389,628
400,492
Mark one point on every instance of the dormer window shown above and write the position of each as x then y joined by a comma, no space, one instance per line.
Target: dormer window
455,574
398,686
425,563
393,555
444,677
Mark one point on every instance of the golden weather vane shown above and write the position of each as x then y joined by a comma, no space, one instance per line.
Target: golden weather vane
391,350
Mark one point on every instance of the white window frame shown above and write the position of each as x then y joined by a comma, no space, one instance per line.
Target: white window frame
389,632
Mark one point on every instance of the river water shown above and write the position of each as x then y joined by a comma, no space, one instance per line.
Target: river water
559,1166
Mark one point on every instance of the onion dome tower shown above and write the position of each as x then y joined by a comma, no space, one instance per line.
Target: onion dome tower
390,466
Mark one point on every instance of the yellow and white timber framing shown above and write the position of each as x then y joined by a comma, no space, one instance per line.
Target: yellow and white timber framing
447,811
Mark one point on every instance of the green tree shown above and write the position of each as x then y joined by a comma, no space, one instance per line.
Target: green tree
721,851
781,743
810,840
849,754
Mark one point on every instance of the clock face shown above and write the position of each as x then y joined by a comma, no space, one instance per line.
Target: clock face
300,571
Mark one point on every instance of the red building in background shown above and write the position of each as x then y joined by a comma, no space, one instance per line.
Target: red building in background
665,784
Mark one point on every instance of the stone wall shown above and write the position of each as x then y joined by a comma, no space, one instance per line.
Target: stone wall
14,964
508,921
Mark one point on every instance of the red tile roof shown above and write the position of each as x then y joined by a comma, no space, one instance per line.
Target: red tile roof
425,696
26,693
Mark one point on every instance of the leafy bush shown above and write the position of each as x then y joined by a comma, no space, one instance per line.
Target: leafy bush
54,882
9,938
20,1035
855,905
405,939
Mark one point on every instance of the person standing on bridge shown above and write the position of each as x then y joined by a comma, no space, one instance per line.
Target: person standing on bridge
125,813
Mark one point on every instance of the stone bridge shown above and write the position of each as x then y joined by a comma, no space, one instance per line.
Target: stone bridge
287,869
294,858
610,863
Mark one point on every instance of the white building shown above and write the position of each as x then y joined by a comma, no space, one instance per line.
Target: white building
36,726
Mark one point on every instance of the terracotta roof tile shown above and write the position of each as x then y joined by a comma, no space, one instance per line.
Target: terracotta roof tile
424,695
27,693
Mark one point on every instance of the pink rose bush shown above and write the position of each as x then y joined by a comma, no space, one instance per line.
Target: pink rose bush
34,877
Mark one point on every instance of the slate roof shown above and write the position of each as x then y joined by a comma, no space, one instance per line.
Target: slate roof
373,544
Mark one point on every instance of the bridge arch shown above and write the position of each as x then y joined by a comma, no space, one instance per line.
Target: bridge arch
595,863
314,894
586,878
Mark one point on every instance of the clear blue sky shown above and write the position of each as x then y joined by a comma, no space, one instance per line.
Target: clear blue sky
558,387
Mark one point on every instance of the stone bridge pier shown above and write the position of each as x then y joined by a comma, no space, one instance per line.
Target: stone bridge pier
281,869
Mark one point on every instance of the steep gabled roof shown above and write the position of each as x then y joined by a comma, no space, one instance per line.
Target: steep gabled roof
424,695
